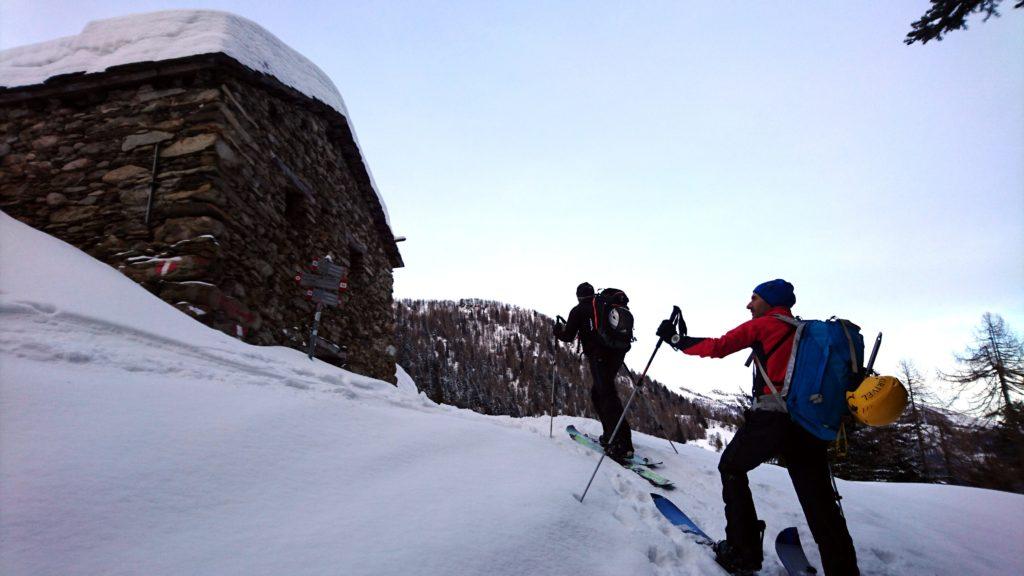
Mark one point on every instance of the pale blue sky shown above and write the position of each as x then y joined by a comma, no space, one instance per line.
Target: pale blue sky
681,151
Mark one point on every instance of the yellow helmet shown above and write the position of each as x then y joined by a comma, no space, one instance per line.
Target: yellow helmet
879,400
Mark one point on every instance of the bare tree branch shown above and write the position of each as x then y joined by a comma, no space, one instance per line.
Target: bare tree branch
992,370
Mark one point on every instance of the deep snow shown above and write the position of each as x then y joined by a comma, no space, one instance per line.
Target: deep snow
135,441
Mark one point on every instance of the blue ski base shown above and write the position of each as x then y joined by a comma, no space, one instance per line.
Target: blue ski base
681,520
791,553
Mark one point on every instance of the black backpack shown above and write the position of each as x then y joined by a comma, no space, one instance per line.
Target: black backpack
613,322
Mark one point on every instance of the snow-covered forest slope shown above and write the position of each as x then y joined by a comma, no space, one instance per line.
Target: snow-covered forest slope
496,358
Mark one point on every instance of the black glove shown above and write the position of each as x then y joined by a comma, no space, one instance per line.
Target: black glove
666,330
558,327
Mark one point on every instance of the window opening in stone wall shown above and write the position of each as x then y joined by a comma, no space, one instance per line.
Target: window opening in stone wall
298,195
357,260
294,206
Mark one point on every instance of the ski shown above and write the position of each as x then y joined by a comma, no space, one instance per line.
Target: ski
791,553
681,520
640,469
641,460
594,443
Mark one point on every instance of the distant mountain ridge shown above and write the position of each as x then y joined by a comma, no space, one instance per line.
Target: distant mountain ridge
497,358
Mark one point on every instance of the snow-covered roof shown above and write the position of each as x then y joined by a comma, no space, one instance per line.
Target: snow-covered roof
168,35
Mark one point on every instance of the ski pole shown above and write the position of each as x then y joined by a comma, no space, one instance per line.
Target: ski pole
835,491
670,442
677,319
636,387
660,427
554,366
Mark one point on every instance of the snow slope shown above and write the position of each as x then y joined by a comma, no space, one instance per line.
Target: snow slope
715,428
135,441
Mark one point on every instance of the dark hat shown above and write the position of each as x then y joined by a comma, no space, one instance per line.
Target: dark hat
584,290
776,292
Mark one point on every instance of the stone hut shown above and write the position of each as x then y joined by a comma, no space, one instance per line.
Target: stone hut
211,163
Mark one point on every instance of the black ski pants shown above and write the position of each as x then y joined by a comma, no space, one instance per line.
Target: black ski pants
603,368
765,435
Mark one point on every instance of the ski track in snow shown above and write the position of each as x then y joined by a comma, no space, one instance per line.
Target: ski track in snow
102,388
46,336
134,440
42,334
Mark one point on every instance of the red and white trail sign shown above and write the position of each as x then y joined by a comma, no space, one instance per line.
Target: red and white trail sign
324,283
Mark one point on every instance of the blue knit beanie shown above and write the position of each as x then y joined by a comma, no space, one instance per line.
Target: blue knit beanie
776,292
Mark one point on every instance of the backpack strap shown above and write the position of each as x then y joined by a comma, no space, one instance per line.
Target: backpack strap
794,323
777,345
799,323
853,350
788,319
775,391
753,353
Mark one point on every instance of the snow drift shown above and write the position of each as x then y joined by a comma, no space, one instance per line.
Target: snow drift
136,441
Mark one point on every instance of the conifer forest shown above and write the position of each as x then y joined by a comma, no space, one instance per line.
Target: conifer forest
499,359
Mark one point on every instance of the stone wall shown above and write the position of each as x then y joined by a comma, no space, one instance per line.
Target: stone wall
252,182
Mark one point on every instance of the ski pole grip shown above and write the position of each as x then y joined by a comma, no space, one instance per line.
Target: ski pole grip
677,319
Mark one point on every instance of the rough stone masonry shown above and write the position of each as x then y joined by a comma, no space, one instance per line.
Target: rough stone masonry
250,181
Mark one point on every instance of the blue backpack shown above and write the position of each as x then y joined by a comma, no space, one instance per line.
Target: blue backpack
826,362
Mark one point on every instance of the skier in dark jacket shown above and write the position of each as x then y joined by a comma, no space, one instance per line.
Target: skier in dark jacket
769,432
604,366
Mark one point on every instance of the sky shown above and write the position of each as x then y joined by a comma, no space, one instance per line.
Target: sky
683,152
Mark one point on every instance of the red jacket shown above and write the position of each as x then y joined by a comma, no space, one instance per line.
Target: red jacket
762,334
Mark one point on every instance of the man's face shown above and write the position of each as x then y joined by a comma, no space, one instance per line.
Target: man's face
758,307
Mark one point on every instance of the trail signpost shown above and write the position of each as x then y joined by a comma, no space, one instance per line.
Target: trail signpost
324,283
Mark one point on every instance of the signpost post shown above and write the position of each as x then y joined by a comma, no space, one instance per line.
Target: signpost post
152,183
323,283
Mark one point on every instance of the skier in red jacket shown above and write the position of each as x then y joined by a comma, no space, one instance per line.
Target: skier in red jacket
768,432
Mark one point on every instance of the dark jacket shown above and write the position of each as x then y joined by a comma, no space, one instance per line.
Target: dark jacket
581,324
765,335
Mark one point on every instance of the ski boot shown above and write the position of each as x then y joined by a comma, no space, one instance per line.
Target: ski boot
621,455
740,562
